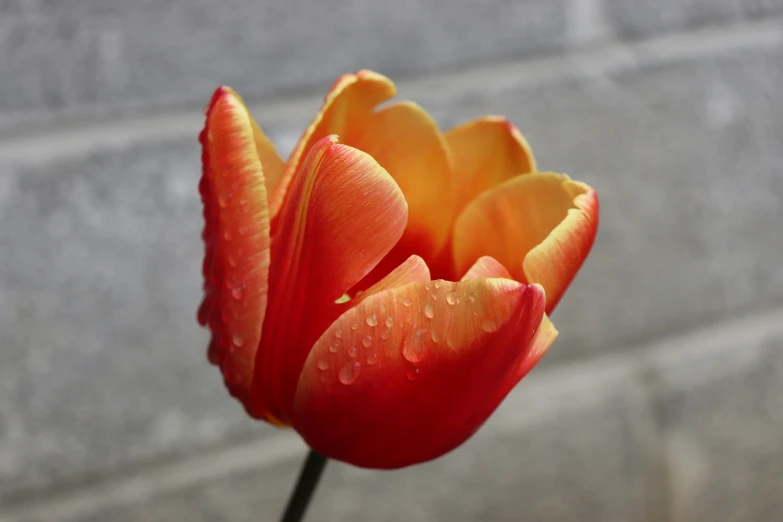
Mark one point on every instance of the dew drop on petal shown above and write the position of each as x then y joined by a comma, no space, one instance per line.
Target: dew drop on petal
371,320
385,334
367,341
228,235
338,333
406,302
389,321
350,372
435,336
232,260
354,326
334,347
222,201
322,364
488,325
472,296
428,311
372,359
412,350
412,374
437,284
352,351
238,340
237,292
452,298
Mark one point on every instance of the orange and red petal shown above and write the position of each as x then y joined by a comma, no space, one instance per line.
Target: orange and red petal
351,96
236,237
541,227
342,215
406,141
485,153
413,372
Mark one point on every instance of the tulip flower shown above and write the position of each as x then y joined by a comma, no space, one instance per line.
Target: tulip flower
385,288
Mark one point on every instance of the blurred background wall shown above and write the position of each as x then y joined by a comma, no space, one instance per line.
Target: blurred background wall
661,401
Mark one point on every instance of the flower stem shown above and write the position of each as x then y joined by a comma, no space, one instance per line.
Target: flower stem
308,480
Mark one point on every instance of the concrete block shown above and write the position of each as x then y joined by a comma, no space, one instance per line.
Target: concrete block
721,416
93,55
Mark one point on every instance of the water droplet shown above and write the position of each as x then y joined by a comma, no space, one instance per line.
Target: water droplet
354,326
242,230
427,286
367,341
372,359
238,340
352,351
428,311
334,347
475,312
452,298
382,309
412,374
488,325
237,292
350,372
389,321
338,333
437,284
322,364
412,350
385,334
222,201
434,297
472,296
232,260
371,320
228,235
406,302
435,336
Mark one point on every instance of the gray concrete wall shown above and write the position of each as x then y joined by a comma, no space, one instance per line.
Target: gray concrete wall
661,401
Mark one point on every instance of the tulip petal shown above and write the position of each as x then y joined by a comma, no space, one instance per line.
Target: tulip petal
425,366
342,215
485,153
414,269
541,227
486,267
236,237
406,141
351,96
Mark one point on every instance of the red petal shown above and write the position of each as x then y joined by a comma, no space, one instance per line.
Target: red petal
342,215
236,236
350,96
424,367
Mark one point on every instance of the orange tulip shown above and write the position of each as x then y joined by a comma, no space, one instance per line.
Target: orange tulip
381,292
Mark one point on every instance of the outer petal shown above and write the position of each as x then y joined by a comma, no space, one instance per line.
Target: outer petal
342,215
486,152
236,237
351,96
425,366
540,227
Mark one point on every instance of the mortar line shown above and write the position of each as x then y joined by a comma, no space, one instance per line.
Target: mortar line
144,485
60,141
